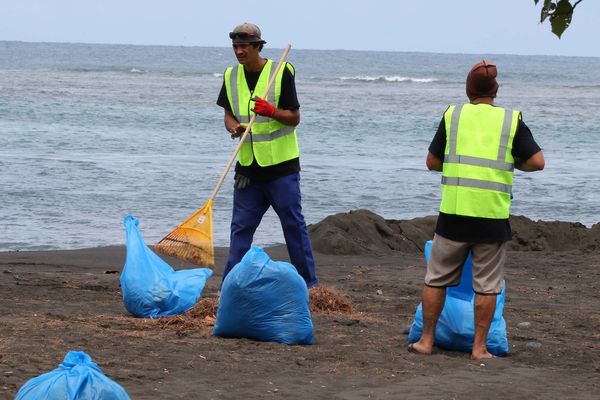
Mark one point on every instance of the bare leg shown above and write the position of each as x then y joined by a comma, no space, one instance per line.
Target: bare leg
433,303
485,305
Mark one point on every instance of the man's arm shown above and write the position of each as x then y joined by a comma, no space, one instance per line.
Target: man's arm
287,117
435,157
232,125
526,152
534,163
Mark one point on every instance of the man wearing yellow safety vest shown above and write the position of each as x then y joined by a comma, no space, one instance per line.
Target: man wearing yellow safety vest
267,173
477,146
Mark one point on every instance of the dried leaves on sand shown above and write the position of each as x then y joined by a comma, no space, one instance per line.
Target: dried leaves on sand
327,299
201,317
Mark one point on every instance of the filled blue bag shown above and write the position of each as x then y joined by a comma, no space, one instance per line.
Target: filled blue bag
151,287
77,378
455,329
264,300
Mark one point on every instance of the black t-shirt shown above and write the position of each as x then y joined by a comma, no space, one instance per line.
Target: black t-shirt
473,229
288,100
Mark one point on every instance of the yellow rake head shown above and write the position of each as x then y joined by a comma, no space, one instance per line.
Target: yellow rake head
192,241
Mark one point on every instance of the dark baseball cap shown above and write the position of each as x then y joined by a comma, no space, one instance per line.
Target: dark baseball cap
246,33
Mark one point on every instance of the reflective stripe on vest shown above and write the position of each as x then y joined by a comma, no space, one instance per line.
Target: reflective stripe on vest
498,163
473,183
268,137
476,183
236,106
270,141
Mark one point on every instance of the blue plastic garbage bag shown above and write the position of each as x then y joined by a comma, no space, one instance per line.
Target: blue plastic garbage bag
455,329
77,378
264,300
151,287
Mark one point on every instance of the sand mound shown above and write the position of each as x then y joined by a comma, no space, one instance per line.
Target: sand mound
324,299
531,235
363,232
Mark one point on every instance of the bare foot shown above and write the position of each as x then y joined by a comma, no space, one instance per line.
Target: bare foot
485,355
419,348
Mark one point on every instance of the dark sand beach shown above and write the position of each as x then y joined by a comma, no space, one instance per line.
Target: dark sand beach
56,301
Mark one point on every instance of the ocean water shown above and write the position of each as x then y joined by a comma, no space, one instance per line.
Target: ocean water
90,133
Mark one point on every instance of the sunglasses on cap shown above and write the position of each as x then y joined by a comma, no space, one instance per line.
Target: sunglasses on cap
241,35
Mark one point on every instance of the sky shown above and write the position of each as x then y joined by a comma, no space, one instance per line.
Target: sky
441,26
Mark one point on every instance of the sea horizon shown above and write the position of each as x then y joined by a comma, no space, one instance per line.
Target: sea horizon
301,48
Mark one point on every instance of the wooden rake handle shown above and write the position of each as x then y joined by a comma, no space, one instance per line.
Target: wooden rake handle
247,131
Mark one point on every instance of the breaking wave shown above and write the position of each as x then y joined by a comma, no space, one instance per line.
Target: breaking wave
385,78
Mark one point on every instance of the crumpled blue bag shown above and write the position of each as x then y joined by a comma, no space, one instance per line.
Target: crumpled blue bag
455,329
151,287
77,378
264,300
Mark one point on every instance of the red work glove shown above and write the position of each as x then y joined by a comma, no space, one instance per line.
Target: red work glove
264,108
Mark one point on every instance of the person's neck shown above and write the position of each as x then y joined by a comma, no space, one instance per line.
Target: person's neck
256,66
483,100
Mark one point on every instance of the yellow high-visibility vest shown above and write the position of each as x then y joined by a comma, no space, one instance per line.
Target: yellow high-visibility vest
477,173
271,142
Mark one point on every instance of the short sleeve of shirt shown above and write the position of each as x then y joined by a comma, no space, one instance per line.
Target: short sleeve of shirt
222,101
288,99
524,146
438,144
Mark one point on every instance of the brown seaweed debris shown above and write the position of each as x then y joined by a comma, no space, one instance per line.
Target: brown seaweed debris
201,317
205,308
324,299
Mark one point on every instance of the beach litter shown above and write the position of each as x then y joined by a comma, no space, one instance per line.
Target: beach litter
152,288
77,377
264,300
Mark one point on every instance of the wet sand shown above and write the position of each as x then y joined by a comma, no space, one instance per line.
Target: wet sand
57,301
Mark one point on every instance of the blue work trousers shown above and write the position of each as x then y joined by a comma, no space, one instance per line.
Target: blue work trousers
249,206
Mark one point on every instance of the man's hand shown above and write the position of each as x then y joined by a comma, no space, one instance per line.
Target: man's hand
237,131
264,108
